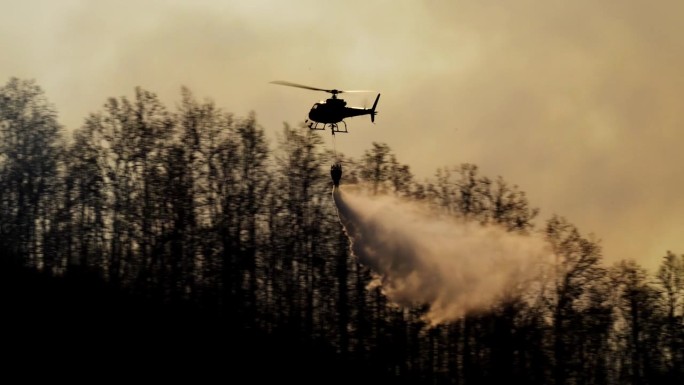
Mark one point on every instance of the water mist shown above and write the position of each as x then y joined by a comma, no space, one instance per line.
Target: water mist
421,257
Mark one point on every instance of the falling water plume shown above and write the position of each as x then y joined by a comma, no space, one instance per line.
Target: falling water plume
421,257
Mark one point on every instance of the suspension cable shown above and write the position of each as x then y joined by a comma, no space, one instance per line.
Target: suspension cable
334,140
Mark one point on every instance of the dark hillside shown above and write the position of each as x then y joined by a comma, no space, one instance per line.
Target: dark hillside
79,326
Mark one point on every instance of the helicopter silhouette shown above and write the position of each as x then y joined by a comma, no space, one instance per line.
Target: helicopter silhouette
332,111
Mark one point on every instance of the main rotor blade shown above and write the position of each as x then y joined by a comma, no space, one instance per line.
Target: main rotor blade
333,91
284,83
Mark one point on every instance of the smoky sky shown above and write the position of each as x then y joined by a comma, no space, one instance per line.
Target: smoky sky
577,102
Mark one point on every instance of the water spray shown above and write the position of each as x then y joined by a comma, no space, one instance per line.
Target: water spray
421,257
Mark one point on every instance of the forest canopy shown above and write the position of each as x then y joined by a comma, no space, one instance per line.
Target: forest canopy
193,204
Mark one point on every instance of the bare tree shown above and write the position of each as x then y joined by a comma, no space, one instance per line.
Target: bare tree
670,276
29,151
639,324
85,202
132,138
577,267
376,166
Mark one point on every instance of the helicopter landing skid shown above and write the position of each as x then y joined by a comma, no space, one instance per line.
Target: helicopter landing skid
332,126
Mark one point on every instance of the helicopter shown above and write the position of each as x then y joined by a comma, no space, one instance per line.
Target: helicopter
332,111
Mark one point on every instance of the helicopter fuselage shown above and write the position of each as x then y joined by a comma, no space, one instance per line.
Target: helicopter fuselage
334,111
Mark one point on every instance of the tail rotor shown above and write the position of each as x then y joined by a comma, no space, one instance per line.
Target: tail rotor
373,112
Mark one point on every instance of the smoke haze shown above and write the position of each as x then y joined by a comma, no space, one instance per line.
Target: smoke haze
420,257
577,102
